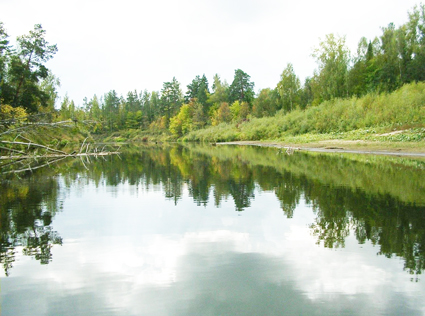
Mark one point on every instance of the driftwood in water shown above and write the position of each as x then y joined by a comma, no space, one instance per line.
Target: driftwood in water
31,145
50,152
18,153
106,153
29,159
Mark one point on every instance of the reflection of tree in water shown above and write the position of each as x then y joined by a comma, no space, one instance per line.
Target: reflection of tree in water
27,207
242,193
39,239
199,177
288,194
345,195
329,205
397,227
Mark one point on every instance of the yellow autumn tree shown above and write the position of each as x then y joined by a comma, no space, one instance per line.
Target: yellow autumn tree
12,115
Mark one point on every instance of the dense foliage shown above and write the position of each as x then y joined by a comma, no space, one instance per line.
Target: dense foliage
374,114
24,79
380,65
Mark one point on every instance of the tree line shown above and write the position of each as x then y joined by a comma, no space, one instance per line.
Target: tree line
382,64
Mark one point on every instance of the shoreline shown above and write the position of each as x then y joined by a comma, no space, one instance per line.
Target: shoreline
343,146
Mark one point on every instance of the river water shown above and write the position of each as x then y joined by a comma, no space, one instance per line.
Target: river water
215,230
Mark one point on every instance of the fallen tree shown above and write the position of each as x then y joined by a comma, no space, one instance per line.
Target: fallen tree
32,146
50,152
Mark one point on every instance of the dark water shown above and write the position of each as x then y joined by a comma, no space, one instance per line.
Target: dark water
204,230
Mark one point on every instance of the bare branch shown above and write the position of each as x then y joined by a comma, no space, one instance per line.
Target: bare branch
14,150
59,155
28,125
33,144
83,144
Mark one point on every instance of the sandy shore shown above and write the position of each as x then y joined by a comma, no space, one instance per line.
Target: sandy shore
345,146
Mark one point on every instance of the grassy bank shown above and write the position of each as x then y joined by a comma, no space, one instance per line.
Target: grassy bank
394,117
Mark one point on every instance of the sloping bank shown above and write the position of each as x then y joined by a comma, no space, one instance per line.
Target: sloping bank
344,146
390,120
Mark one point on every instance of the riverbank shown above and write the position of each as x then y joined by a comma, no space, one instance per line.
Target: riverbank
414,149
368,143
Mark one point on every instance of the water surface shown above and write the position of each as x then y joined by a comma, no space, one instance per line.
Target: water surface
201,230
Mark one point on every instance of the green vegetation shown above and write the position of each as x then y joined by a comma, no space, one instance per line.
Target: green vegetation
356,118
24,79
375,91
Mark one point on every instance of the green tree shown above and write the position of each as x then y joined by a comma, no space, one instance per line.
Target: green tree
198,89
405,46
155,104
220,91
415,36
332,57
95,112
239,111
49,86
26,69
111,110
148,115
362,70
306,93
4,54
171,99
199,117
189,118
241,89
222,114
219,95
266,103
289,88
133,103
182,123
387,63
66,110
133,119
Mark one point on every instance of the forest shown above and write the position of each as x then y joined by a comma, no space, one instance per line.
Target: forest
380,66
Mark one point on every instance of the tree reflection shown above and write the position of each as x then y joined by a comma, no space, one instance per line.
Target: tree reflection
346,195
378,200
28,206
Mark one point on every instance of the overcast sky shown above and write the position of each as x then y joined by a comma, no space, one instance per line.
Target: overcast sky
126,45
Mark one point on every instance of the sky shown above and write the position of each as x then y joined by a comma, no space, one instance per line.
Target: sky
132,45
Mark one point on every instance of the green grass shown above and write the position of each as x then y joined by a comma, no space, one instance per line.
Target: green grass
356,118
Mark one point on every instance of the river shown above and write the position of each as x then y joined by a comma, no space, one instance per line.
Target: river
215,230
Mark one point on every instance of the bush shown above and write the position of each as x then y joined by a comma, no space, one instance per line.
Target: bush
403,107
